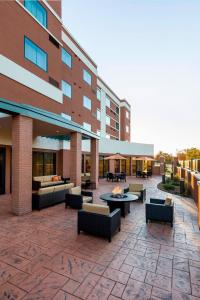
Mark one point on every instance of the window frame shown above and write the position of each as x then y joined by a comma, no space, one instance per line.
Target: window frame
40,5
26,38
107,119
99,90
86,128
85,71
69,97
63,49
86,97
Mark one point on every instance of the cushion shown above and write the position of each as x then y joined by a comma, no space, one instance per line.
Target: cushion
49,183
135,187
59,187
87,199
168,201
134,193
75,190
69,186
55,178
96,208
46,190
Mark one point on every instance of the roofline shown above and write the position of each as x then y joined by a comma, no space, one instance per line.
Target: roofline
77,43
98,77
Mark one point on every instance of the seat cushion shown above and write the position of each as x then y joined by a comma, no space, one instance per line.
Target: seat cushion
96,208
59,187
46,190
87,199
134,193
49,183
135,187
75,190
68,186
168,201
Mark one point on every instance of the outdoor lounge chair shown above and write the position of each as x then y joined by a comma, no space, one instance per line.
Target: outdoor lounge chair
160,210
97,220
136,189
76,198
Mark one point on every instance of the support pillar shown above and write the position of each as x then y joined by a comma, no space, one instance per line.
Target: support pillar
131,166
112,166
8,170
95,162
64,163
22,140
75,162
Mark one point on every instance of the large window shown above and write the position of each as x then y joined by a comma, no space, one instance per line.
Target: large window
37,10
87,77
66,58
35,54
98,94
107,101
117,125
67,89
87,126
44,163
87,103
108,120
98,115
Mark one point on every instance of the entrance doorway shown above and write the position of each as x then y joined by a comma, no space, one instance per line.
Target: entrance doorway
2,170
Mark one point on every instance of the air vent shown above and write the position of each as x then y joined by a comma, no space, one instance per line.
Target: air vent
51,38
53,82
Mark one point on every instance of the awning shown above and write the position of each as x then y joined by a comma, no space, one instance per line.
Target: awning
33,112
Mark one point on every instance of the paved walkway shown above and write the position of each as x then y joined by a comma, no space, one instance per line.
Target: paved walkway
42,258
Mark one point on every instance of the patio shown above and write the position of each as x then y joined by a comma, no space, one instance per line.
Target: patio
41,256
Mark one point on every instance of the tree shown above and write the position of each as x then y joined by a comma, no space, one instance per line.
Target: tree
187,154
167,156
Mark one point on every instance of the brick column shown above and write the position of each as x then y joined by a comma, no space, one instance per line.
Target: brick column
22,140
75,162
131,166
95,161
63,166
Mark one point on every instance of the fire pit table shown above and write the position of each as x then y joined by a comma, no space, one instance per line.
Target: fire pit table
121,201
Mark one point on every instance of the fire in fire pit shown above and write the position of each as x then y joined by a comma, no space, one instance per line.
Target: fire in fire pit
117,192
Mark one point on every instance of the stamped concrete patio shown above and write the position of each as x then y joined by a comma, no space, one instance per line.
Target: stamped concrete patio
42,258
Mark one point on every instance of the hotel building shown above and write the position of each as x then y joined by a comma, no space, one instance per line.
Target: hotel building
57,116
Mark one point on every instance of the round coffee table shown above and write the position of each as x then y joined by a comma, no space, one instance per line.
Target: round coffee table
122,203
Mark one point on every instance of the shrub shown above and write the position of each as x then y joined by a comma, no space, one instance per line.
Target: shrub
169,187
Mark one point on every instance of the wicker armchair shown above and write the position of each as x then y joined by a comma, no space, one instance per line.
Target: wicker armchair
158,210
77,197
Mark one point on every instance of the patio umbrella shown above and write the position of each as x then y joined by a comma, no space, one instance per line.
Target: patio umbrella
144,158
115,156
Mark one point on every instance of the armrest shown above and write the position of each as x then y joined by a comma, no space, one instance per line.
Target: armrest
86,193
115,212
126,190
36,184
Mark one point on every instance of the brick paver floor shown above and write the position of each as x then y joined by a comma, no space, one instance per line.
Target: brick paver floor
43,258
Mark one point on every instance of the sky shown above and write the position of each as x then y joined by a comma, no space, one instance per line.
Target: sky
148,52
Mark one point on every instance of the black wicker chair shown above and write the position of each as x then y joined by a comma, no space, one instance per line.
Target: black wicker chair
99,224
157,210
141,193
76,201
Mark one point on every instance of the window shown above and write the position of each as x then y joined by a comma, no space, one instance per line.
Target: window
127,129
107,120
98,115
98,94
117,125
66,58
87,126
107,101
44,163
127,114
67,89
87,102
107,136
37,10
67,117
117,110
87,77
35,54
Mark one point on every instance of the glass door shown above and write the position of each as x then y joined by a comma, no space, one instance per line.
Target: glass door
2,170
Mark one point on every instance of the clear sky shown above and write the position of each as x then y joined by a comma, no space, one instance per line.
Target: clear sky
148,51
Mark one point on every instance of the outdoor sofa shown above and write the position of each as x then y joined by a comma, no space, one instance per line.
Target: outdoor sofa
97,220
46,181
49,196
160,210
76,197
136,189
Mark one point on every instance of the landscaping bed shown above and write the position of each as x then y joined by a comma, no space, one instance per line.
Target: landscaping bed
172,186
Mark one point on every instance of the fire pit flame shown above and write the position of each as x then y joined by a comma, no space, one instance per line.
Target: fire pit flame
117,191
